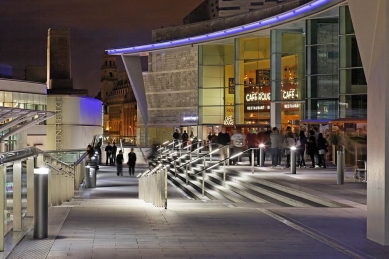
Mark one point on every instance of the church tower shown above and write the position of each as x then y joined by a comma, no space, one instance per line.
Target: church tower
109,75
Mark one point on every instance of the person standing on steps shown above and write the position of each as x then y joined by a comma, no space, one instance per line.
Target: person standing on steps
119,163
131,162
108,154
176,137
223,139
185,138
311,147
237,141
114,149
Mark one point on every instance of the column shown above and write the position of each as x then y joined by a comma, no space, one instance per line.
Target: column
275,77
30,187
3,205
370,20
17,196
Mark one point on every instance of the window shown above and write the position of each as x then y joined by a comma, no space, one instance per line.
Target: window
110,74
256,3
229,8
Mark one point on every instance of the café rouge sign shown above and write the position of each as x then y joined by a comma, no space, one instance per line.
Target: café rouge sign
262,96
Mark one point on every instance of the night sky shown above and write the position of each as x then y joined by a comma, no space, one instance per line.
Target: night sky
96,25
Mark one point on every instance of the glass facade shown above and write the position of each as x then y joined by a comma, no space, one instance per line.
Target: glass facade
310,73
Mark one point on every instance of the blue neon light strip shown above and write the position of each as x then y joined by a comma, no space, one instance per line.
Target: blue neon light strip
224,33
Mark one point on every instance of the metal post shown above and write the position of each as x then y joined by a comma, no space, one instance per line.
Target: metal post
293,160
175,168
224,175
30,186
190,161
340,167
3,204
203,184
165,176
261,156
186,174
87,176
252,160
210,152
41,203
17,196
228,155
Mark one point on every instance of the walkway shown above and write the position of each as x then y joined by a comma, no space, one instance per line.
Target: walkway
110,222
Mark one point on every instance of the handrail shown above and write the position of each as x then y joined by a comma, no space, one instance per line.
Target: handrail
80,159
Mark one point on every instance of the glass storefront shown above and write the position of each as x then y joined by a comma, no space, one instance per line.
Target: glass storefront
312,73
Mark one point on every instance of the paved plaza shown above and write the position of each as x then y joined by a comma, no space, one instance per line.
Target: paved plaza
111,222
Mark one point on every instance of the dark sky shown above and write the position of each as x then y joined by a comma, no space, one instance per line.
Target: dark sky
96,25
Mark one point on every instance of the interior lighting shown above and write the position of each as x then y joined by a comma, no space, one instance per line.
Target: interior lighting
224,33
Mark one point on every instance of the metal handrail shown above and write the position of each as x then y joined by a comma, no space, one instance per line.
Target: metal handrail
77,162
200,157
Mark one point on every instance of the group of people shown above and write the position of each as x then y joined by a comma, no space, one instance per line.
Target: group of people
315,146
113,159
184,138
279,145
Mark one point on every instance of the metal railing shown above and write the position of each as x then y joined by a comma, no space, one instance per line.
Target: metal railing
61,181
153,186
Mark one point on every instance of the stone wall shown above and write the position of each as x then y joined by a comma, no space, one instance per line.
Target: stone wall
171,87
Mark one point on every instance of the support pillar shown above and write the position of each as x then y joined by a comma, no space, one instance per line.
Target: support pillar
30,187
17,196
276,77
370,21
3,205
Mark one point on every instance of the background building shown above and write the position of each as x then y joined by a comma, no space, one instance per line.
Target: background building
5,71
213,9
120,107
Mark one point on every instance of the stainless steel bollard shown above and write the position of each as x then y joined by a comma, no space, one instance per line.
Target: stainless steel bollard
293,160
41,206
203,184
88,168
340,167
210,152
261,155
92,177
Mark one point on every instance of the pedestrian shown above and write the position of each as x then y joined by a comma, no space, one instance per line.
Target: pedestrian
289,143
311,147
277,141
114,149
131,162
98,149
322,146
185,138
237,141
119,163
108,154
90,151
301,147
176,137
223,140
251,142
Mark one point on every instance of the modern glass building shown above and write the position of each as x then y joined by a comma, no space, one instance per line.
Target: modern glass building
281,69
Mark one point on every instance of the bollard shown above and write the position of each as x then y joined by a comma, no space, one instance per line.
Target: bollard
165,187
87,176
210,152
175,168
293,160
261,155
186,174
224,176
228,155
203,184
340,167
252,161
190,161
41,203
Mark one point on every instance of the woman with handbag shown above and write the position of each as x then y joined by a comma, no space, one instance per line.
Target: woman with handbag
322,146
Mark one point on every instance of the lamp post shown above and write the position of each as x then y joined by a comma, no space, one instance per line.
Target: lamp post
293,160
41,177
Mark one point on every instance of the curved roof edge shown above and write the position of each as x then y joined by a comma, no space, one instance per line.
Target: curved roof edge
291,15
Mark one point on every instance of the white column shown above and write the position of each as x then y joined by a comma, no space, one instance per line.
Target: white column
30,187
275,74
17,196
3,206
371,24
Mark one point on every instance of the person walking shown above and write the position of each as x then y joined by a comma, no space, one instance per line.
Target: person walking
90,151
223,139
176,137
301,146
311,147
289,142
119,163
185,138
251,142
277,142
108,154
131,162
114,150
322,147
237,141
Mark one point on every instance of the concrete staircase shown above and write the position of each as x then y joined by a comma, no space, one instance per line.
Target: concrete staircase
239,187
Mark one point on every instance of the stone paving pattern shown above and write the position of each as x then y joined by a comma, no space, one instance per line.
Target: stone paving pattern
110,222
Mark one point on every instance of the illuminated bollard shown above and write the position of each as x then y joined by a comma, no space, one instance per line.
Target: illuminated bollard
41,212
252,160
261,155
340,167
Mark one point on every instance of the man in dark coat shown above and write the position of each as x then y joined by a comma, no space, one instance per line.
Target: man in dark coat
119,160
131,162
114,149
108,153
